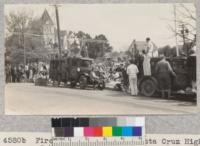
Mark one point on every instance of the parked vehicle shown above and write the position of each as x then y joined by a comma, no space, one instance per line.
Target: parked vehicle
184,82
74,70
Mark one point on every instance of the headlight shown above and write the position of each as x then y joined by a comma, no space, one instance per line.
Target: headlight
78,69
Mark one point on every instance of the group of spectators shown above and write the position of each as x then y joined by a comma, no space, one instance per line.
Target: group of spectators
20,73
125,74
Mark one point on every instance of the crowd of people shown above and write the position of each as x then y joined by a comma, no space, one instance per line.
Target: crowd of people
123,74
24,73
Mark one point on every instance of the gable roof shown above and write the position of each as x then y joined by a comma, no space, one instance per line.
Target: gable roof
46,17
141,45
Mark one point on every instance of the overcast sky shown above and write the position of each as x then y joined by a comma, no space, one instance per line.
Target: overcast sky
121,23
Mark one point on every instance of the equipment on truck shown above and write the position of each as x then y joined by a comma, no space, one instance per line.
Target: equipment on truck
185,80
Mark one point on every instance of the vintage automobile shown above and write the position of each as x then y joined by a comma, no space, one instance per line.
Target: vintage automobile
74,70
183,83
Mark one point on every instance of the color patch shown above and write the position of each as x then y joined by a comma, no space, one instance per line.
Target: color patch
56,122
117,131
59,132
78,132
53,132
97,131
67,122
98,127
88,131
121,121
107,131
69,131
84,122
127,131
137,131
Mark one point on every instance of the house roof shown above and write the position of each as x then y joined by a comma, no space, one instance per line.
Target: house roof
141,45
46,18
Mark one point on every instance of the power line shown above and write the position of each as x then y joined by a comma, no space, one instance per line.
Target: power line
32,34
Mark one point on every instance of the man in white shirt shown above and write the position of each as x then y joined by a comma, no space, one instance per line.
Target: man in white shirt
148,53
149,47
132,71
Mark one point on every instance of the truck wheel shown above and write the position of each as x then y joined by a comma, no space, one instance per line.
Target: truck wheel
101,86
148,87
72,84
83,82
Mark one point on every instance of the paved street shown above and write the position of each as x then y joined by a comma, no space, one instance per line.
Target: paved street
27,99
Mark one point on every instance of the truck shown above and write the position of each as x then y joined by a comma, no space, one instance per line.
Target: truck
183,84
74,70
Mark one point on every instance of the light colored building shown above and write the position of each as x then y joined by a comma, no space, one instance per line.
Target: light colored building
136,47
48,28
50,35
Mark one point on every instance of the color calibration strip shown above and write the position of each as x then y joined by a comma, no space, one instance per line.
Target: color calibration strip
98,127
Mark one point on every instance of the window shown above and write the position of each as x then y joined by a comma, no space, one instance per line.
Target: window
85,63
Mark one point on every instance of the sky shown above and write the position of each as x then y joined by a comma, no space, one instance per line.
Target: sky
120,23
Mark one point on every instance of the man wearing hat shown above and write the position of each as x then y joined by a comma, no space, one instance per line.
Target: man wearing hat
164,73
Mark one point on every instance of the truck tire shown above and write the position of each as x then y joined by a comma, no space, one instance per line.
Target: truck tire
148,87
101,86
83,82
73,84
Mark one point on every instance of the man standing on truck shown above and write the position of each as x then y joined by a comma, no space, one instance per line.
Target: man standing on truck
149,47
147,54
164,73
132,72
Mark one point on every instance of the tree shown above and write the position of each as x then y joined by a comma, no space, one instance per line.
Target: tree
185,22
168,51
24,39
82,35
17,24
98,48
88,46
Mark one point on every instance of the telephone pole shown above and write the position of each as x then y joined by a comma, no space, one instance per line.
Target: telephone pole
24,47
175,26
183,30
58,29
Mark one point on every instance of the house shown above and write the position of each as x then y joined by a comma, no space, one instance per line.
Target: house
50,34
136,47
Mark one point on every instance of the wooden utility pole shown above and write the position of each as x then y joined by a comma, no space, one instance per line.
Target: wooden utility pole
175,25
24,47
58,29
183,33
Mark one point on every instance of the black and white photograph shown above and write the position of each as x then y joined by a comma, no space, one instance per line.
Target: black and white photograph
100,59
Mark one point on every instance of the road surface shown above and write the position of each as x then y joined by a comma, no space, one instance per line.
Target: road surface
27,99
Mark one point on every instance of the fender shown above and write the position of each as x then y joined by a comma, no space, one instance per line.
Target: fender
85,75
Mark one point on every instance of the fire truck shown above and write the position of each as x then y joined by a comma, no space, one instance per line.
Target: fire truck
184,84
75,70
